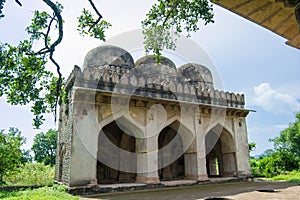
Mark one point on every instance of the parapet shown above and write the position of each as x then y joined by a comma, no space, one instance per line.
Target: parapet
112,69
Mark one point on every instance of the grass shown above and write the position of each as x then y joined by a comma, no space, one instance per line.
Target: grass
36,174
44,193
291,177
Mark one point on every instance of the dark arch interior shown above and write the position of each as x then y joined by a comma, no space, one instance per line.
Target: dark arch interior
172,170
109,149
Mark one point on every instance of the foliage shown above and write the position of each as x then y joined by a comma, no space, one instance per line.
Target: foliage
36,174
2,4
286,156
289,138
26,156
255,166
252,146
87,25
24,78
44,147
274,164
44,193
10,152
1,7
167,19
292,177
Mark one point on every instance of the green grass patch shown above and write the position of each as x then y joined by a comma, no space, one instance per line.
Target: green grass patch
31,174
291,177
44,193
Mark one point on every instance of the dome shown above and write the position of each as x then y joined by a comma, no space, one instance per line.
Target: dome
147,66
197,75
151,60
108,55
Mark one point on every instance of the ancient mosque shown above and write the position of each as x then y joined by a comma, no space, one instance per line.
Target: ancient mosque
148,122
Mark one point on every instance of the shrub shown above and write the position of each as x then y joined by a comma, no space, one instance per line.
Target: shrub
32,174
276,163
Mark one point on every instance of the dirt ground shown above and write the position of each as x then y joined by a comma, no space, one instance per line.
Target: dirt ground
227,191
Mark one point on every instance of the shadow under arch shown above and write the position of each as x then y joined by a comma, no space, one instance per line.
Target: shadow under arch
220,152
116,158
124,123
173,141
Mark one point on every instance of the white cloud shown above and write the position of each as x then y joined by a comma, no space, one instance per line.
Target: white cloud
274,101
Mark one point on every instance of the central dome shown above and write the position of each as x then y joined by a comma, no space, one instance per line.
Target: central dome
108,55
150,60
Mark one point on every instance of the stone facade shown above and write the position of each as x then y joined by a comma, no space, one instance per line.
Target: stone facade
147,122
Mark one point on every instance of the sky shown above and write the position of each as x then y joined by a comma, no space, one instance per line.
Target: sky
246,59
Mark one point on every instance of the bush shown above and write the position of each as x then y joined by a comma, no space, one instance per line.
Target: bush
255,166
32,174
276,163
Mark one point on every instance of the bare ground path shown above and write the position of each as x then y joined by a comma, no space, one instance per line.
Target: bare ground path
241,191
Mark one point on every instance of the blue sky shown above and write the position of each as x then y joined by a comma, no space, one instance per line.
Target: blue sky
249,59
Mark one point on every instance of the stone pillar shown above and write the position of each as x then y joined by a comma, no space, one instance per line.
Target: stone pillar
242,148
147,160
83,165
195,159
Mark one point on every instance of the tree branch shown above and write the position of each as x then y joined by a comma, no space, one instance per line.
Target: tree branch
47,33
95,9
171,11
52,46
18,2
98,13
60,23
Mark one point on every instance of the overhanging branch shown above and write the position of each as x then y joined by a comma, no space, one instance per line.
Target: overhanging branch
98,13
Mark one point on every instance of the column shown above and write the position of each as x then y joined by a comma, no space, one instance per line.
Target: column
147,160
195,157
242,148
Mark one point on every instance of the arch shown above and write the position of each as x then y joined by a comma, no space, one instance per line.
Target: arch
186,133
173,142
115,149
124,121
220,152
220,126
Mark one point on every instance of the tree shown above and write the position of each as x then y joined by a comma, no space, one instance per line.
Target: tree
24,78
289,138
167,19
10,152
278,162
44,147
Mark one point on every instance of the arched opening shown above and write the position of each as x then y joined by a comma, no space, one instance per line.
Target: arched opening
116,162
212,165
220,153
170,154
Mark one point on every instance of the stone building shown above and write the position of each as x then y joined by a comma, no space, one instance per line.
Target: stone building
126,121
